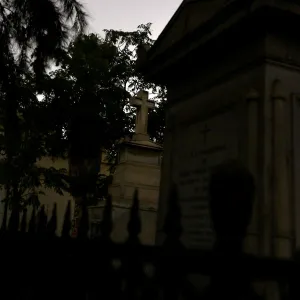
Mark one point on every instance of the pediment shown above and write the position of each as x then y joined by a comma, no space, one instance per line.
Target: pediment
190,15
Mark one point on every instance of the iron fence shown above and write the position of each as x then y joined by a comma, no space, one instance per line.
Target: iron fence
37,264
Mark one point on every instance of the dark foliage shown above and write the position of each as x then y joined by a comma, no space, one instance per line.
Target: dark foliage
32,34
37,31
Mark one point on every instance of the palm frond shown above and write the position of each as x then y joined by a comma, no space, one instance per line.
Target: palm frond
39,30
74,12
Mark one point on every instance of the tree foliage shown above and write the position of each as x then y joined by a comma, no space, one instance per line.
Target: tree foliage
127,43
35,32
32,34
87,100
85,106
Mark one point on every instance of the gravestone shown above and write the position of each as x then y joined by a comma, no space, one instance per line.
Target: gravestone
192,165
232,73
138,167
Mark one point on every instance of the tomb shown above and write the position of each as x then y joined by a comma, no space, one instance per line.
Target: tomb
232,73
138,167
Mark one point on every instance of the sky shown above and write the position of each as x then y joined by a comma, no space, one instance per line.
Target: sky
128,14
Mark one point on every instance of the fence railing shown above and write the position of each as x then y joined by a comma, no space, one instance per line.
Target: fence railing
36,264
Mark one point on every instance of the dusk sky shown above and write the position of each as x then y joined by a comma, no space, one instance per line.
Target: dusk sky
128,14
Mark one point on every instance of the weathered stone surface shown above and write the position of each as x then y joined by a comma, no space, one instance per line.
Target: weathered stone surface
138,168
207,144
239,76
185,20
213,127
142,104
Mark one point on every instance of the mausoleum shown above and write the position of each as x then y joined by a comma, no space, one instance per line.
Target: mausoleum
232,70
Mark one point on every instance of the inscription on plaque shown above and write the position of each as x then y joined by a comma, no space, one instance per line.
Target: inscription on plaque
199,148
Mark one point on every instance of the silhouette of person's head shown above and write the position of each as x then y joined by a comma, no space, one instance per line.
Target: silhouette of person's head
231,200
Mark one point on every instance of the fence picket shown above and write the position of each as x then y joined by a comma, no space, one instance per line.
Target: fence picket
67,222
24,221
42,221
83,227
52,224
106,224
85,269
173,282
32,222
132,266
14,220
172,225
4,221
134,224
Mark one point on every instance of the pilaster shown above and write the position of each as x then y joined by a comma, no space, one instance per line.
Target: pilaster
252,102
282,208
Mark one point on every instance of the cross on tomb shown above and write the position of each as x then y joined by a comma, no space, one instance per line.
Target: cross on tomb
205,131
142,104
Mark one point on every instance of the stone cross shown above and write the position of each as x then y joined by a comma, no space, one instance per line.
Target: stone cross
142,104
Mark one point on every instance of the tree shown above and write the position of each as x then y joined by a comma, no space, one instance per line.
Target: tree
87,101
127,44
32,33
85,98
157,118
22,178
37,31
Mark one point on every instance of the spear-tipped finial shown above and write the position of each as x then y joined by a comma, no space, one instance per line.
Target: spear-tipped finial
134,224
172,226
107,223
67,222
24,221
42,220
52,224
32,222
